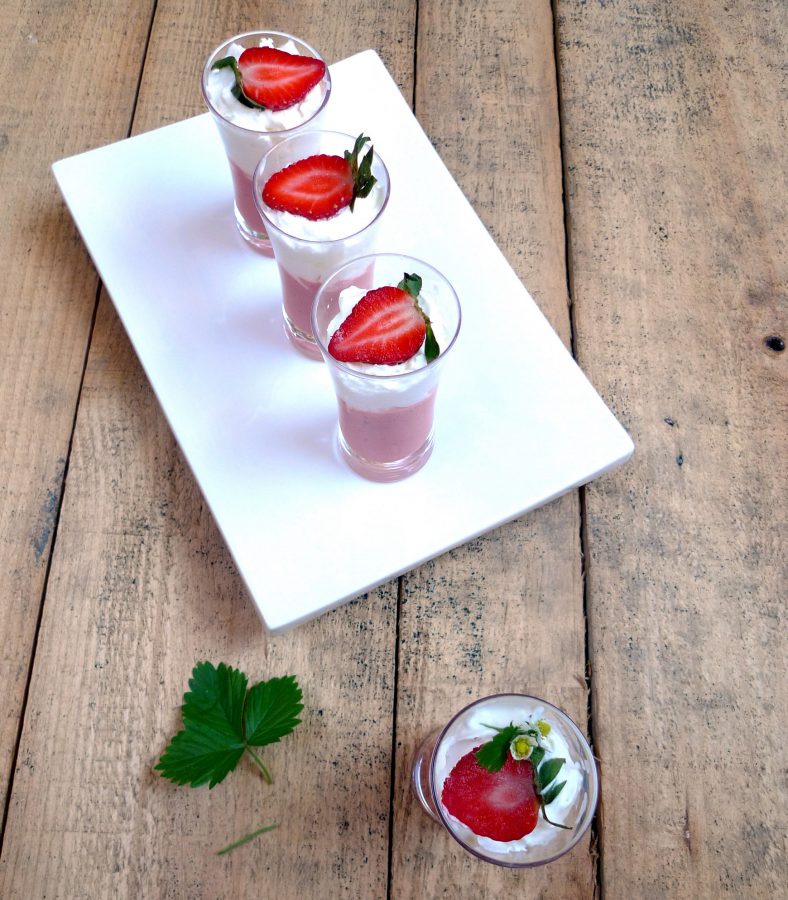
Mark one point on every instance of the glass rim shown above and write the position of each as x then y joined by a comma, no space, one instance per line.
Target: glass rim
374,376
480,854
311,132
277,34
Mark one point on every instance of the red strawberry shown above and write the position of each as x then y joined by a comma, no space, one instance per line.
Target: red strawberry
384,327
318,187
500,805
275,79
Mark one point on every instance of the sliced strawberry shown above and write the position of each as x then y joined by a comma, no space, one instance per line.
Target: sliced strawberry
500,805
385,327
316,187
277,80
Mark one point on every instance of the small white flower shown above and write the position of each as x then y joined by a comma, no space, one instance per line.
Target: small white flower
522,746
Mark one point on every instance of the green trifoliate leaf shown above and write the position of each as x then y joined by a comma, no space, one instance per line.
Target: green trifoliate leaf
492,755
547,772
551,793
272,709
230,62
222,720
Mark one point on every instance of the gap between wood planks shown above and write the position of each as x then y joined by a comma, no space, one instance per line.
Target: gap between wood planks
59,504
401,579
595,845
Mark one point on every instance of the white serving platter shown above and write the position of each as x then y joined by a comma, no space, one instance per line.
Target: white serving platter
517,422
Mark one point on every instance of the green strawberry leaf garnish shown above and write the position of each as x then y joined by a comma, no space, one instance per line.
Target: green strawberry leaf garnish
360,169
230,62
537,755
222,720
492,755
412,284
544,776
547,772
552,793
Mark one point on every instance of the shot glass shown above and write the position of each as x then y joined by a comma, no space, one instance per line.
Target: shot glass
386,413
574,806
306,251
248,134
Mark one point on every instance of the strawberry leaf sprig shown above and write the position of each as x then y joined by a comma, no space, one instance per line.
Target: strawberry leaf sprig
412,284
223,719
230,62
360,169
525,742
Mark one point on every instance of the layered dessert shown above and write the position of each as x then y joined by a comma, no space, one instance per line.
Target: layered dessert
384,333
321,195
512,778
385,347
261,87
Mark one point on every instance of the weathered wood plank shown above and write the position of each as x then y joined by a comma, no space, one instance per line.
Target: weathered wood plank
674,120
504,612
57,102
142,587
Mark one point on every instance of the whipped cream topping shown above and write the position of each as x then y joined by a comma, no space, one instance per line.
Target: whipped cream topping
219,87
311,250
472,732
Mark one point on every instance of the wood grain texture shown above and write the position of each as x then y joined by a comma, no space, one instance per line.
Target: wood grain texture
142,587
505,612
49,288
674,124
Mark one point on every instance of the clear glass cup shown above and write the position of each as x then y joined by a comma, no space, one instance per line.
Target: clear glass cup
306,251
249,134
574,806
386,418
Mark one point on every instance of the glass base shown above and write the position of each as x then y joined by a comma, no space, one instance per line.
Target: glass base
257,240
385,471
304,343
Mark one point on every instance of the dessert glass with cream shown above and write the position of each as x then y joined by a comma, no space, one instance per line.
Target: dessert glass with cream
249,133
386,412
573,807
307,251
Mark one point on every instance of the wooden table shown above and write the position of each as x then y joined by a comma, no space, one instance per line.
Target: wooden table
629,159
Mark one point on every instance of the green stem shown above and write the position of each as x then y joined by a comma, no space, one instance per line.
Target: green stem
260,766
555,824
246,839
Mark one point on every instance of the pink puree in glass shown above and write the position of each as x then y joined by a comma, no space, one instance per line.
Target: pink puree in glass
298,294
244,198
390,434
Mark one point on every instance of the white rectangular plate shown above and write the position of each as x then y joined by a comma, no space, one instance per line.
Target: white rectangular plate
517,423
